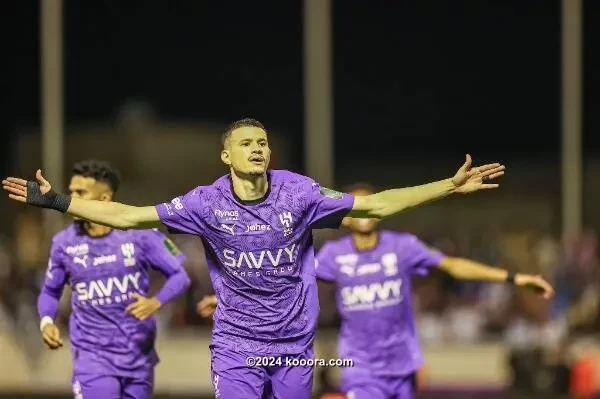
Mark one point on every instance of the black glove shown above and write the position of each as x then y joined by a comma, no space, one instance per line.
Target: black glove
50,200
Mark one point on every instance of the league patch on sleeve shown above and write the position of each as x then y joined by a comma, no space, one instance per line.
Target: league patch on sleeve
171,247
329,193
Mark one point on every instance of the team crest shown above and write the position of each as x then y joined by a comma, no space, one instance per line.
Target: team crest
329,193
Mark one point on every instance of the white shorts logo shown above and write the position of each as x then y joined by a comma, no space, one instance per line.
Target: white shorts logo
77,390
216,384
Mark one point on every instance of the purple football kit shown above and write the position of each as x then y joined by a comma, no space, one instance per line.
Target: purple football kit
374,300
261,261
113,352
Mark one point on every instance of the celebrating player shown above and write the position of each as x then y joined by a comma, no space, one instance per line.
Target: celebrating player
111,325
256,225
372,271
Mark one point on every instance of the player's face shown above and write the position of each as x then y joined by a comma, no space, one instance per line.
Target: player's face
89,188
360,225
248,151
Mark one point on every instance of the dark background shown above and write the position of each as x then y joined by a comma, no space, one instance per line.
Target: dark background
426,76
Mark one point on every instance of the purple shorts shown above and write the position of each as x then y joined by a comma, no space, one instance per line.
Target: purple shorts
264,377
359,384
91,386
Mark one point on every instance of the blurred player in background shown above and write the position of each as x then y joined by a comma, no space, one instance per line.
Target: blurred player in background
256,226
111,326
372,271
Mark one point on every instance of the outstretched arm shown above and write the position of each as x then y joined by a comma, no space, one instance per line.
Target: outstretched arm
112,214
465,269
390,202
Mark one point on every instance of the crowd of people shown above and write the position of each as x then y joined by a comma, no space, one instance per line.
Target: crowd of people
447,310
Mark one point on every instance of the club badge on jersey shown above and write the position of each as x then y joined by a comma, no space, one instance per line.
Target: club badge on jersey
329,193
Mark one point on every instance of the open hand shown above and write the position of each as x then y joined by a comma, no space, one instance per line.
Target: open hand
469,179
143,307
20,190
536,283
207,306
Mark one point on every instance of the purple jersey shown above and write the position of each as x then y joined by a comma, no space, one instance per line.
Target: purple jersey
103,273
374,299
260,257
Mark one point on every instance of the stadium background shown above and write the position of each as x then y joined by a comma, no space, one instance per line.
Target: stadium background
394,96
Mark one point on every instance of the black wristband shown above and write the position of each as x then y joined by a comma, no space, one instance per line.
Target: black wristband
510,278
50,200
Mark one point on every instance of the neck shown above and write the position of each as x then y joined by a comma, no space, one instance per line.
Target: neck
365,241
95,230
249,187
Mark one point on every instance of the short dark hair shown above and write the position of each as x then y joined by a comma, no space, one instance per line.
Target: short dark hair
246,122
102,171
360,186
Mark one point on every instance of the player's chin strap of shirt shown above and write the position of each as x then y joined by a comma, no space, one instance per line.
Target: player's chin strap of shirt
50,200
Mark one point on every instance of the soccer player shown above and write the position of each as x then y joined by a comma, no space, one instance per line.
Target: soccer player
111,325
256,225
372,271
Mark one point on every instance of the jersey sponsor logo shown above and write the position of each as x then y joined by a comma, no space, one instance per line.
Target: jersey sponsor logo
347,263
78,250
329,193
258,227
368,268
81,260
256,260
171,247
230,215
286,220
374,295
128,251
390,264
104,259
228,228
108,290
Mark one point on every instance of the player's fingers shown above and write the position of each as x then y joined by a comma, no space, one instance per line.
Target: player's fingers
489,166
50,341
17,198
489,186
40,178
14,185
140,315
548,290
491,171
468,162
493,176
132,307
16,180
14,189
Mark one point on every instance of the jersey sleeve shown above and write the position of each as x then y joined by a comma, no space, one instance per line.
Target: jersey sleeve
183,214
325,264
54,283
418,256
160,253
326,207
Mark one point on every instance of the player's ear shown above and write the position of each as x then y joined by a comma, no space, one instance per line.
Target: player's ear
346,222
106,196
225,157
